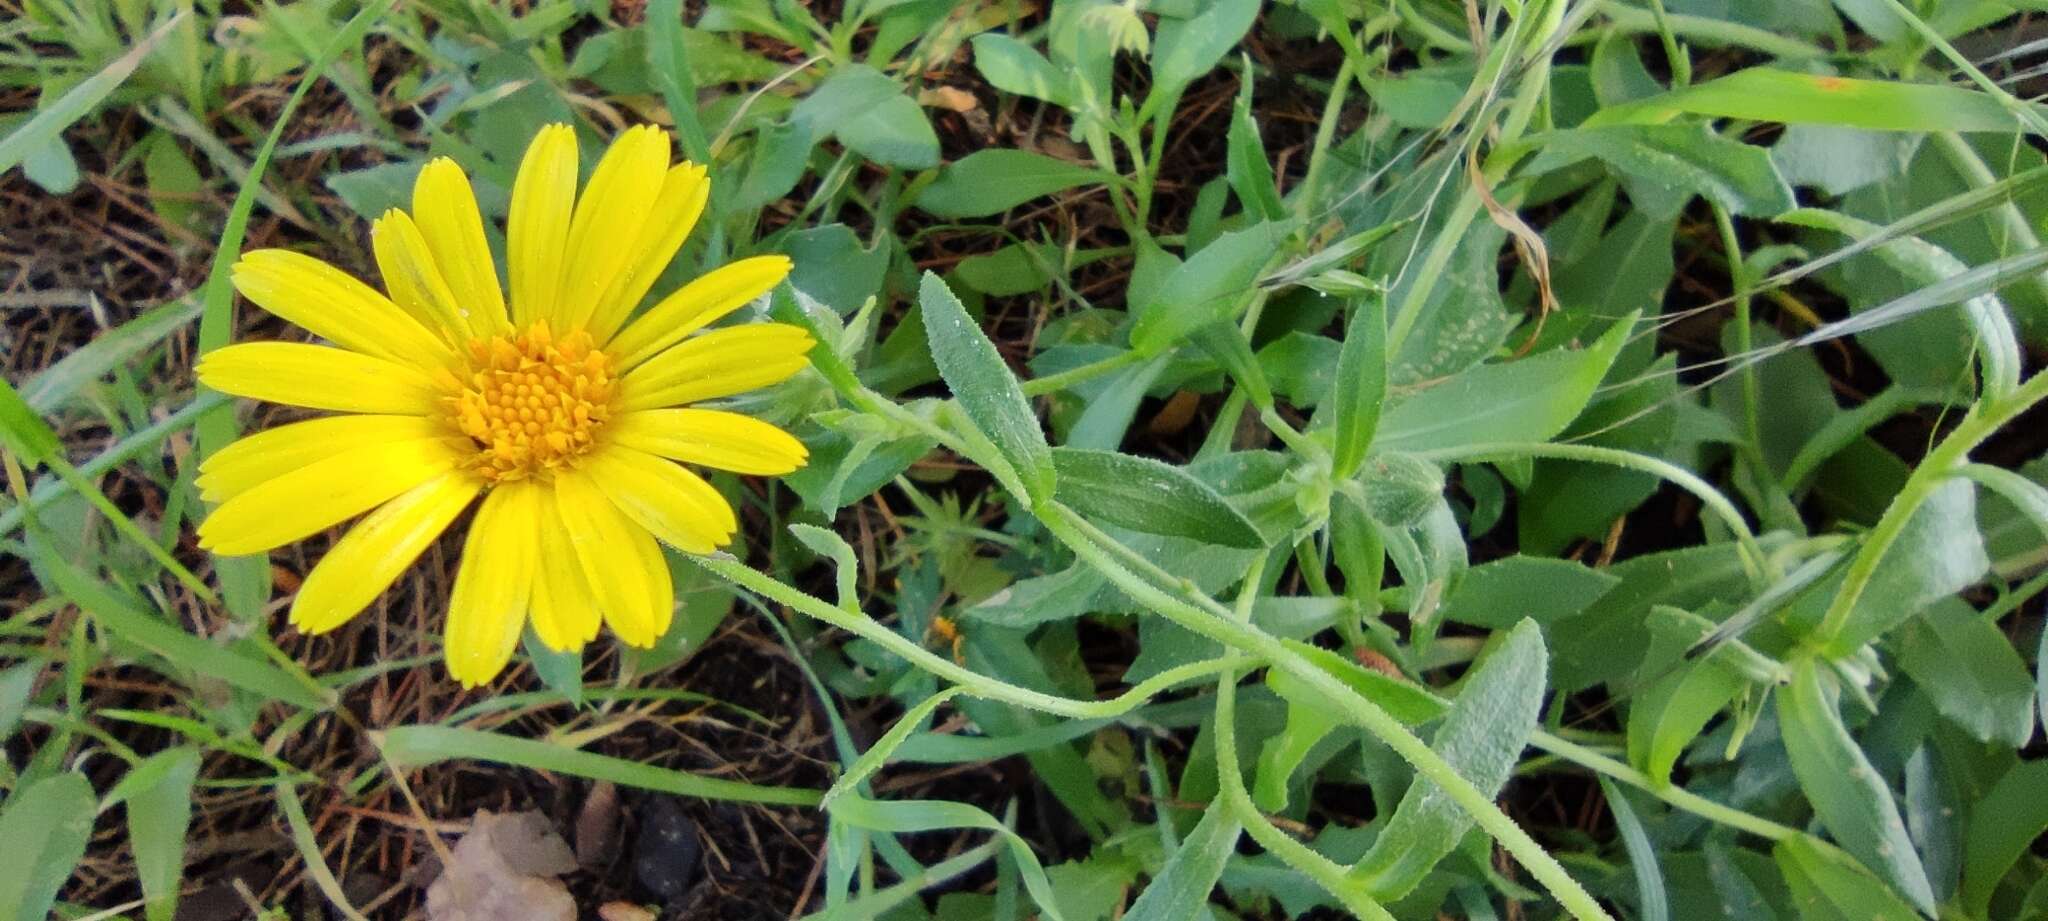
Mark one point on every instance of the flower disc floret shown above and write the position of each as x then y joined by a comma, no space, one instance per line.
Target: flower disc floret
533,402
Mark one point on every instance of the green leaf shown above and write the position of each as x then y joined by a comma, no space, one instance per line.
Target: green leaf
1181,889
985,388
1682,695
1828,886
2004,823
1764,94
1285,751
24,433
1224,342
1642,855
419,746
1014,67
1404,701
1497,594
870,114
877,755
17,682
46,825
1361,386
1846,791
992,181
1939,552
158,816
1841,160
1926,264
934,815
1245,163
561,671
1400,490
1150,496
47,126
845,563
1185,49
1211,285
1528,400
1969,669
1668,164
1482,737
175,185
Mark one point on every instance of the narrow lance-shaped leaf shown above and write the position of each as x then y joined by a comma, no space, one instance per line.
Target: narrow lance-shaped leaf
45,825
1481,737
1528,400
1184,885
1764,94
1678,161
1211,285
1146,495
1828,885
1642,855
1846,791
934,815
2004,823
1361,386
990,181
158,817
986,389
1250,175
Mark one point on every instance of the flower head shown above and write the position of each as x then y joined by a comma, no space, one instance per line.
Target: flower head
565,418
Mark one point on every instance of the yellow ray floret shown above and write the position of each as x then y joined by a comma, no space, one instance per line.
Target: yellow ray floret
545,399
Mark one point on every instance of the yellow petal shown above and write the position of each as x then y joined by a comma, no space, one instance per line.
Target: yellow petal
334,306
273,453
609,215
537,228
710,438
620,560
494,584
373,553
719,363
445,208
318,377
565,612
697,305
675,212
675,504
322,494
415,282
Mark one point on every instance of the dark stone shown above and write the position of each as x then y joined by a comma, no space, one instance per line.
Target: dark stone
667,855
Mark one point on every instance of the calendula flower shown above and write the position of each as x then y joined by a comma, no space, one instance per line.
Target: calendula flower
564,418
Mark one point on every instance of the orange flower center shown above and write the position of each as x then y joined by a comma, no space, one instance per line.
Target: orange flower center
533,402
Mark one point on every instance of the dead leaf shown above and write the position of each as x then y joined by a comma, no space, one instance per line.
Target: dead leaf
597,825
505,868
951,98
624,911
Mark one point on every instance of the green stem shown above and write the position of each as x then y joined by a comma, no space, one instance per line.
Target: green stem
1354,707
1761,567
1983,419
974,683
1054,383
1709,31
1327,873
1675,795
1305,198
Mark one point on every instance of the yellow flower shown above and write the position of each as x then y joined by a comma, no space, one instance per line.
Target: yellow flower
566,419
